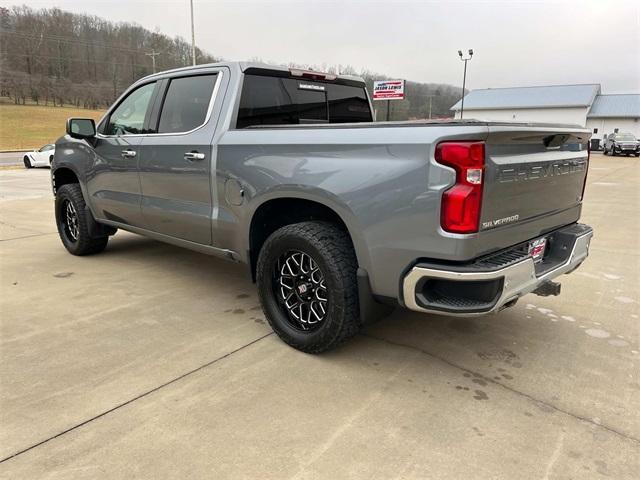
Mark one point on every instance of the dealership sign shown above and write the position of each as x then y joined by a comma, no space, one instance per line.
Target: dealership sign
388,90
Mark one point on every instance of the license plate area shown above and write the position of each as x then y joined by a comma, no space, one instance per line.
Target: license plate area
537,249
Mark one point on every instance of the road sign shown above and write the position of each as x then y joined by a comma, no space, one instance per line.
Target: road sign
388,90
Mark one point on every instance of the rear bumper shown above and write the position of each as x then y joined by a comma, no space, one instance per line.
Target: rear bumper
494,282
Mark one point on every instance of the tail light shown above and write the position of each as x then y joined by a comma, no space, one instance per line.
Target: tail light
461,203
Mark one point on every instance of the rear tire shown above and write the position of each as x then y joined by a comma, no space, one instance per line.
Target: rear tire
604,151
72,222
322,309
27,162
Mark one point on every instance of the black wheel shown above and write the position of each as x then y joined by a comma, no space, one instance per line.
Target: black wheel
50,160
604,151
306,277
72,222
613,151
637,154
27,163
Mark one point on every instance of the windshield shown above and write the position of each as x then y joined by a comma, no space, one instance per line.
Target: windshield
627,137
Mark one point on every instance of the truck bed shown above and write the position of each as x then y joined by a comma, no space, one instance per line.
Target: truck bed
387,185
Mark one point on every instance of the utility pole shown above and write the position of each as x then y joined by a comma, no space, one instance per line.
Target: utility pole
464,78
153,55
430,97
193,37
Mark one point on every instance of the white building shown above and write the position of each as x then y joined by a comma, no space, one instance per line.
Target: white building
614,113
582,105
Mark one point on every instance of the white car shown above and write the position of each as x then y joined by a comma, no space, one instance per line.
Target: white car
40,158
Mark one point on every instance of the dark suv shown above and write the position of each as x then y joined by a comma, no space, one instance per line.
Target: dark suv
621,143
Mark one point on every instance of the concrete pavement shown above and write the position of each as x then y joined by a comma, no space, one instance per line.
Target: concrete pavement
150,361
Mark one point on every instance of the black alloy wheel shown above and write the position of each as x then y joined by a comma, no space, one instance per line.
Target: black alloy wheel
301,290
72,222
306,276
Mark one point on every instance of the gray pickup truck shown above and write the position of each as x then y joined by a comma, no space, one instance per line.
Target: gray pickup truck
338,218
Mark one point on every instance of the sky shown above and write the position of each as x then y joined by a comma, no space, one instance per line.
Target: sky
515,43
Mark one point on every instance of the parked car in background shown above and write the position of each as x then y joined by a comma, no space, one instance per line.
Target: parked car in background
40,158
621,144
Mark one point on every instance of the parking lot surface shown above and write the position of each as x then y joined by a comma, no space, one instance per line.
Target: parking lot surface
149,361
11,158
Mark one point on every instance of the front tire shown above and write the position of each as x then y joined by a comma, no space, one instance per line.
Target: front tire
72,222
27,162
306,277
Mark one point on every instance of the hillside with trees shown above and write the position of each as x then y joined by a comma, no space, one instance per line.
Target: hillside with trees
52,57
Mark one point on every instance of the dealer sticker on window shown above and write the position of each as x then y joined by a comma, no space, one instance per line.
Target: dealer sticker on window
537,248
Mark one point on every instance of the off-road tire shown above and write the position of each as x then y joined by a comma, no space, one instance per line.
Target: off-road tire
331,248
84,244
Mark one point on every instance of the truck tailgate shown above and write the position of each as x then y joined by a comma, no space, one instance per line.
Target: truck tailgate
532,173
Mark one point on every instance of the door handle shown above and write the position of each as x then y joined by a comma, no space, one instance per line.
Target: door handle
128,153
191,156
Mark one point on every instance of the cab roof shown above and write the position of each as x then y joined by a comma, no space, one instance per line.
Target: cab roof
244,66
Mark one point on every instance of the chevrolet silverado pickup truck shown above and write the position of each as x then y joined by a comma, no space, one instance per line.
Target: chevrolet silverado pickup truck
337,217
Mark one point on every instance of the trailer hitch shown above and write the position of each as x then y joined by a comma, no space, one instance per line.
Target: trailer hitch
547,289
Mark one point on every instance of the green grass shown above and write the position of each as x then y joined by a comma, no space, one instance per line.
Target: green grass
25,127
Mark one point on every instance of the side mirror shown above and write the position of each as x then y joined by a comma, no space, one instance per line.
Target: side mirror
82,128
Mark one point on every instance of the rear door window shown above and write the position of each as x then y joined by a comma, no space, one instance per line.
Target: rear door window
186,103
272,100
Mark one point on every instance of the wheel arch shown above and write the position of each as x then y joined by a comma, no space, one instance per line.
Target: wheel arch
63,176
277,210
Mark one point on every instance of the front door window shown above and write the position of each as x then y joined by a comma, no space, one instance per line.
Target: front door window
128,117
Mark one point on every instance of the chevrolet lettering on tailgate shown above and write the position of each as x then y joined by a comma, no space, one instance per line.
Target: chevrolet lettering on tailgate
524,172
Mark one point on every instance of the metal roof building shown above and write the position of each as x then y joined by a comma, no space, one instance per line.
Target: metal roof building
582,105
611,106
552,96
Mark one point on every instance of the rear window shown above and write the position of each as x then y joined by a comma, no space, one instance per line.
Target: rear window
267,100
186,103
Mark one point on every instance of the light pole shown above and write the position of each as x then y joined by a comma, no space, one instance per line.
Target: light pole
464,78
193,37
